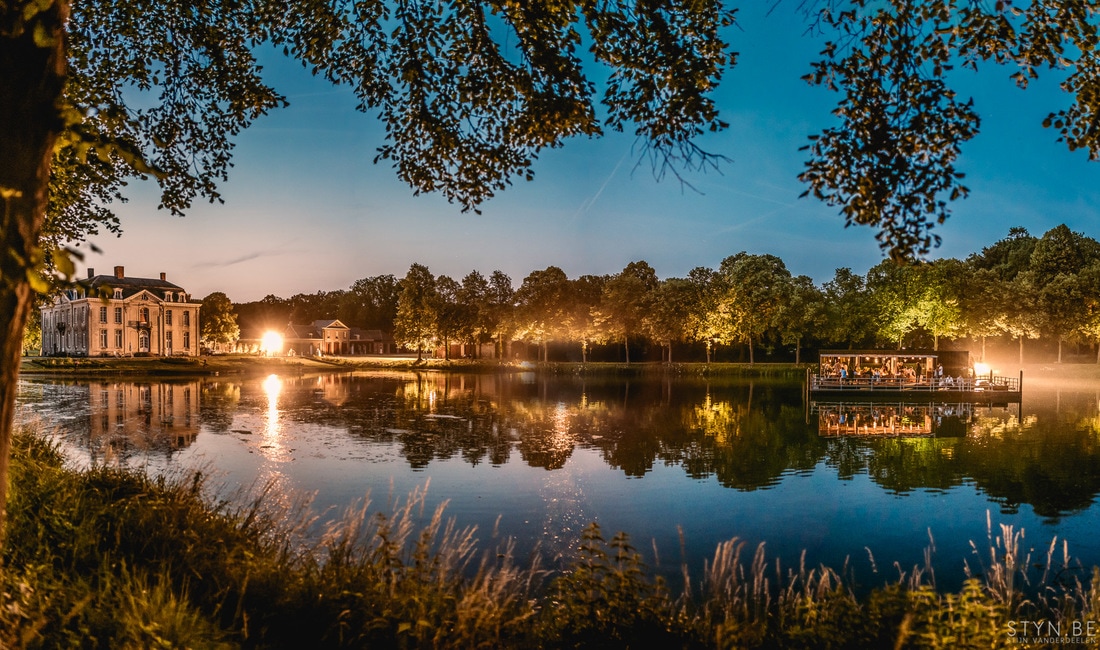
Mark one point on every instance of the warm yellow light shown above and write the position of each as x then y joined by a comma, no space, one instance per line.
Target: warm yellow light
981,369
271,343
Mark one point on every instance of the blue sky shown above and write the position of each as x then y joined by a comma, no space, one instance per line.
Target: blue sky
307,210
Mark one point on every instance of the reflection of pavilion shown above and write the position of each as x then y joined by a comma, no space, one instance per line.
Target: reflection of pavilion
146,415
892,419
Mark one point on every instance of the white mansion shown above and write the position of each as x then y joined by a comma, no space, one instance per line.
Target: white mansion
113,315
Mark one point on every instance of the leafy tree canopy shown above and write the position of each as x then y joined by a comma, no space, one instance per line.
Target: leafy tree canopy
217,320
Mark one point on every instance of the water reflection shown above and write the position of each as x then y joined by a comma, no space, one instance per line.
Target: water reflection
742,435
117,421
881,419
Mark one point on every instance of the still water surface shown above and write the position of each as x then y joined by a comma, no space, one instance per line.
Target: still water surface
679,464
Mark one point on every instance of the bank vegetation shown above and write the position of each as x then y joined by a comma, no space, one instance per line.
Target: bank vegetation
110,558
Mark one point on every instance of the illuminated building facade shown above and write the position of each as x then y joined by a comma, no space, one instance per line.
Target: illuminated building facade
115,315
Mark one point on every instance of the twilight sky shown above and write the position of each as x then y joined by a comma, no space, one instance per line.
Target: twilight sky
307,210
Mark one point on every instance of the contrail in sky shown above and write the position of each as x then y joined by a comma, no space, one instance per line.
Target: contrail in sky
592,201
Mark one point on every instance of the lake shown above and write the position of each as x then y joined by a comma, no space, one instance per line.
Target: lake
679,464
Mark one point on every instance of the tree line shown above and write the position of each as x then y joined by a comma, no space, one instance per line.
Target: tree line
1019,288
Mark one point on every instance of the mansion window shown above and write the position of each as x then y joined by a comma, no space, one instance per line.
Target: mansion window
168,317
118,314
143,314
186,339
187,319
103,314
102,338
118,344
168,340
118,294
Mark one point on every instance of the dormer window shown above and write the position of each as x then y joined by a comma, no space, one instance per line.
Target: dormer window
168,296
118,294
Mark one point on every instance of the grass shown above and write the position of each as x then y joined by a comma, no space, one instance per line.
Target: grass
105,558
242,364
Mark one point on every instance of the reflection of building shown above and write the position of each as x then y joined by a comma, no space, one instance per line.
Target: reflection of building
116,315
126,414
892,419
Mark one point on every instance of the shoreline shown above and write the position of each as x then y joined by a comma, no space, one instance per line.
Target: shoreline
250,365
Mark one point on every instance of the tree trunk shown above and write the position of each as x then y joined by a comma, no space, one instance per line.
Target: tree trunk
752,359
935,343
1021,349
584,351
798,352
670,353
31,82
626,346
709,344
983,348
1059,349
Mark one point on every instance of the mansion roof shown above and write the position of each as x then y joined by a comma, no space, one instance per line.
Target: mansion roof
95,285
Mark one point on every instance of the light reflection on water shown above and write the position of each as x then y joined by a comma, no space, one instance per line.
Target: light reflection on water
546,456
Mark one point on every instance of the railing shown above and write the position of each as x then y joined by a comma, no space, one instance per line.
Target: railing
832,382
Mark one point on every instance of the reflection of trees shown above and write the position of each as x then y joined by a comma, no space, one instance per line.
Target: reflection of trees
745,435
904,464
1051,461
218,403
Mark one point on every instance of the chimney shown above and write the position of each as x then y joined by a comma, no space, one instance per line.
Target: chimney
119,272
91,273
162,276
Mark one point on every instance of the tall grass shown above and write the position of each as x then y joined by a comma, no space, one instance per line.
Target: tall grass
104,558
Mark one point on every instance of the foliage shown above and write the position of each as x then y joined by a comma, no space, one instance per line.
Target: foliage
32,333
1000,291
417,307
627,297
803,314
755,288
217,321
606,598
668,318
890,163
542,301
370,303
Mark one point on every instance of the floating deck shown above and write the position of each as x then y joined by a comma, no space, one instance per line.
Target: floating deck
909,375
997,390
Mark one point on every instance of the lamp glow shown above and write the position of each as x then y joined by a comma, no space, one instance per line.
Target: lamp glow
271,344
981,369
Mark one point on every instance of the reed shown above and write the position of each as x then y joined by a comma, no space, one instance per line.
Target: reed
104,558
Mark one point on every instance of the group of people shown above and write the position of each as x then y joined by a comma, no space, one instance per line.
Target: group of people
903,374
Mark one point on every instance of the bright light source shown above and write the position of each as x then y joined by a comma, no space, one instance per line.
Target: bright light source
271,344
981,369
